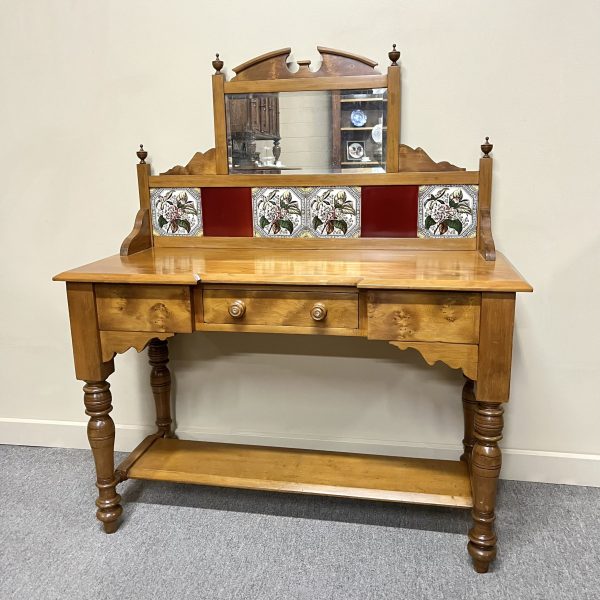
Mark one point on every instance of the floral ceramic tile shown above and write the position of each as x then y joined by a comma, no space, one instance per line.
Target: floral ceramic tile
278,212
333,212
176,211
447,211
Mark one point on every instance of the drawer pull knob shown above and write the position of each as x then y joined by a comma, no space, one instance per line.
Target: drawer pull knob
237,309
318,312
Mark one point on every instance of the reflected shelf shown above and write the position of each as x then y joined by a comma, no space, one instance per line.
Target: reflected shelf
348,100
359,128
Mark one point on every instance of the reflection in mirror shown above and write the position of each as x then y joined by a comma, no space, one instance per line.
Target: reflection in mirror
337,131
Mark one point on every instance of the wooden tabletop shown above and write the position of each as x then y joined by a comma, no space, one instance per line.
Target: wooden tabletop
401,269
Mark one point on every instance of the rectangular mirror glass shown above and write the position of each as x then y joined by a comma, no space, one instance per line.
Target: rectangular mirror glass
338,131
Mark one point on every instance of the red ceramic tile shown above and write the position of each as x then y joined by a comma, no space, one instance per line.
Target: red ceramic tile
389,211
227,212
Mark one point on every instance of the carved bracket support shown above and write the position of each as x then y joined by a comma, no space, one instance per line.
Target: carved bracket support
140,238
456,356
118,342
487,248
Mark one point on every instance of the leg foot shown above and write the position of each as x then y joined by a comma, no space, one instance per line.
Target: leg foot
111,527
101,435
480,566
486,461
160,381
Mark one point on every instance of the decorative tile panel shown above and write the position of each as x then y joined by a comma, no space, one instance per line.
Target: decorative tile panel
278,212
432,211
176,211
227,211
333,212
389,211
447,211
306,212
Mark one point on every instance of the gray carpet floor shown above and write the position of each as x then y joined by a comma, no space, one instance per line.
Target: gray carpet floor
179,541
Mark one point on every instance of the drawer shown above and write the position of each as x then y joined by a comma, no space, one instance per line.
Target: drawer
423,316
144,308
281,308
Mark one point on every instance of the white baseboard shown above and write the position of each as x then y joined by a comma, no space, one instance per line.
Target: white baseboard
64,434
524,465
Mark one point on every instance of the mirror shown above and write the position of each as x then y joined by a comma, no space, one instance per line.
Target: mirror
338,131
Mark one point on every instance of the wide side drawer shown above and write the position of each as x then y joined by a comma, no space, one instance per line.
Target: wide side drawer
144,307
423,316
276,308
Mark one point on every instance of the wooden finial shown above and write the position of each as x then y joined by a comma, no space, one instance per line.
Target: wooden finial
141,154
394,55
217,65
486,148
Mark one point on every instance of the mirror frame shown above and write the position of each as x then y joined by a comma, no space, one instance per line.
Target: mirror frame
338,70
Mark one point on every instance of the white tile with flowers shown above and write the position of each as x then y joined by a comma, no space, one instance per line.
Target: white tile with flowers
447,211
334,212
176,211
277,212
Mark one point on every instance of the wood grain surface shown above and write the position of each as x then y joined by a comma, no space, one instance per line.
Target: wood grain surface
144,308
351,82
385,269
416,159
202,163
274,65
423,316
140,237
414,480
393,119
495,347
118,342
282,308
85,337
456,356
218,81
323,179
301,243
485,238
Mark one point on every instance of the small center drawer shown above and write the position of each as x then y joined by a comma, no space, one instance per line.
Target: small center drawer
281,308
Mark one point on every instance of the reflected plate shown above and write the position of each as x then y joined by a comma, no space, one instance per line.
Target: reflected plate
377,133
358,117
356,150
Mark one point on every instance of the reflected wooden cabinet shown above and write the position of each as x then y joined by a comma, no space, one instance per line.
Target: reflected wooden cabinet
358,129
251,117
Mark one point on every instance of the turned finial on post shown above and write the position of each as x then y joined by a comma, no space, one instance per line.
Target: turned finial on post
486,148
142,154
217,65
394,55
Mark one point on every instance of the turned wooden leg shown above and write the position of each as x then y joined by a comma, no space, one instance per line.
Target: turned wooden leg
101,434
160,380
469,405
486,461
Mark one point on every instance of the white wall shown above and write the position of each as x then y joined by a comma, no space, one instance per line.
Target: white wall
84,82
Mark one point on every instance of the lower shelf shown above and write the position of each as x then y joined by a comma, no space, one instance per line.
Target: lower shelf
414,480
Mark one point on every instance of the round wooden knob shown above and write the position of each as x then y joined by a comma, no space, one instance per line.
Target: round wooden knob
318,312
237,309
